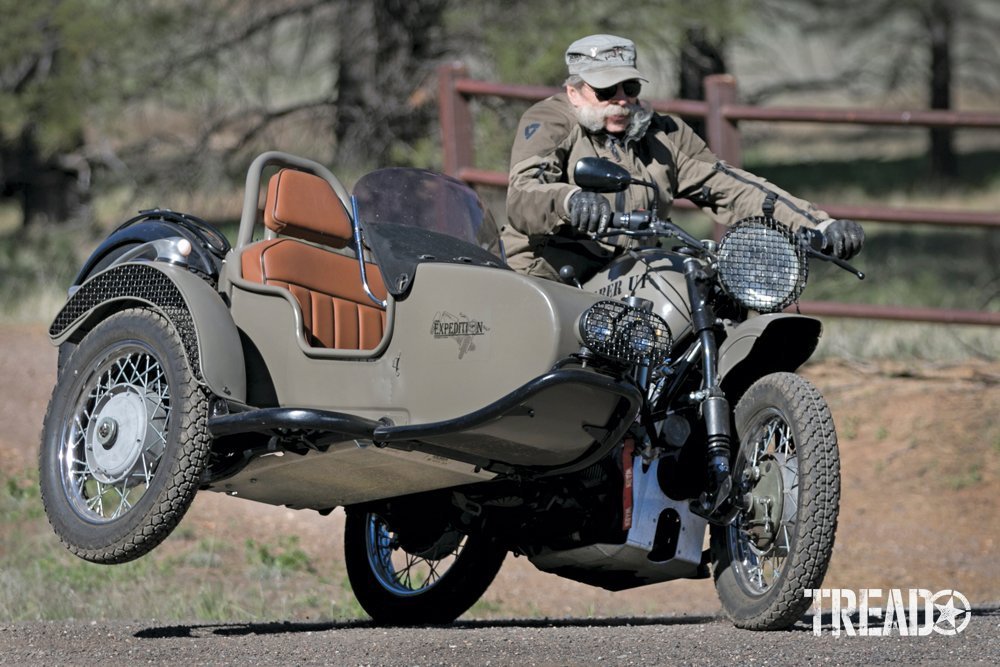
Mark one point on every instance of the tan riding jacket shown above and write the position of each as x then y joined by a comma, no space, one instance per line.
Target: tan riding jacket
548,143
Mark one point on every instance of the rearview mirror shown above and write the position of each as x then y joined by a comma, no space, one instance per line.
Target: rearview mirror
599,175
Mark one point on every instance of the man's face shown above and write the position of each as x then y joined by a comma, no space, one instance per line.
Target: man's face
608,108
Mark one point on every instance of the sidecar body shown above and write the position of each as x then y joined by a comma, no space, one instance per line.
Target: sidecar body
357,347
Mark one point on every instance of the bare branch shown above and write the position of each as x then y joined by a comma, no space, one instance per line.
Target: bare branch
265,117
173,64
813,85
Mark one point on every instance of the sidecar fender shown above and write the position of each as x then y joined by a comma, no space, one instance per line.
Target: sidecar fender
765,344
198,313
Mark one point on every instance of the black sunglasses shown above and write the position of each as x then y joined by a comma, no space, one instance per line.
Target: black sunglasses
632,88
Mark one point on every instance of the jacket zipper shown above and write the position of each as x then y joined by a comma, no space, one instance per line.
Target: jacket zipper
613,144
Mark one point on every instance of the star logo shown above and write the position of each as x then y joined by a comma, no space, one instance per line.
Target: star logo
951,619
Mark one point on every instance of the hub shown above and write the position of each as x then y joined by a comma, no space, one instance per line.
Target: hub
766,502
116,434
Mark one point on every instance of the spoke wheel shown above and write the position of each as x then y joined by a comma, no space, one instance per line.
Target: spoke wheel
117,435
124,442
787,470
401,584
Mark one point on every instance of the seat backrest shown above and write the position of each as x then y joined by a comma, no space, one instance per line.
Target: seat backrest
336,311
304,206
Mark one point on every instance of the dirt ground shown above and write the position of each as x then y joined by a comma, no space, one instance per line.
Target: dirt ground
920,449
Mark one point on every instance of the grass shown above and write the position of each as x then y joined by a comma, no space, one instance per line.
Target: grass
36,267
190,577
967,478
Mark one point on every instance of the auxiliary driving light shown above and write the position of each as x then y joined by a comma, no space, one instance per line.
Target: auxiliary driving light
615,330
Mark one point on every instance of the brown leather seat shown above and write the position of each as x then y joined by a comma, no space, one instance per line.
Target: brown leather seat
335,309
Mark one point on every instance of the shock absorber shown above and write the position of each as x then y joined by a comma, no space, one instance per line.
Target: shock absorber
714,405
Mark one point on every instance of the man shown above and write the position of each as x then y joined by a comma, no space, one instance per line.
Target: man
551,221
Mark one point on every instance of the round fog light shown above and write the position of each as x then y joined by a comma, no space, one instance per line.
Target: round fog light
621,332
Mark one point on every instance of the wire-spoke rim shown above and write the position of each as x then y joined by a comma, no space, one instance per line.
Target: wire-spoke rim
771,441
111,448
399,571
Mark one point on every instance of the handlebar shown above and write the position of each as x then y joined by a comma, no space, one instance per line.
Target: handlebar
633,223
645,223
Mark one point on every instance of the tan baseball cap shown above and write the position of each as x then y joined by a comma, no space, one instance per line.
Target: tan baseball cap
603,60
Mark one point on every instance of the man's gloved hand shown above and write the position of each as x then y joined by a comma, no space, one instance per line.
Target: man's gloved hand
844,238
589,212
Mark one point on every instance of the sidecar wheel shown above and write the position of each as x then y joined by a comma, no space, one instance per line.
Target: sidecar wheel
790,470
125,439
434,587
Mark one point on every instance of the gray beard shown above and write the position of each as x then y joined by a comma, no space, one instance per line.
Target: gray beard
592,118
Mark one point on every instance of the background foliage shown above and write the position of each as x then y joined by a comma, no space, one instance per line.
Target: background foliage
96,94
108,107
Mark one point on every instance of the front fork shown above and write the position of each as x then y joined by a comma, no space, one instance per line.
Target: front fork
715,503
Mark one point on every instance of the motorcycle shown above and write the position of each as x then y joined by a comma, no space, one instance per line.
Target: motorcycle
372,350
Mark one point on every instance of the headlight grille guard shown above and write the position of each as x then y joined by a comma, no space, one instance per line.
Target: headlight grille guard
762,264
618,331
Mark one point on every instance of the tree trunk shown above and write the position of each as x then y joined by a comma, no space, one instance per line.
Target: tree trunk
386,49
699,57
940,23
46,190
356,79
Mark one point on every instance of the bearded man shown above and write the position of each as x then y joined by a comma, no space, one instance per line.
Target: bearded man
551,221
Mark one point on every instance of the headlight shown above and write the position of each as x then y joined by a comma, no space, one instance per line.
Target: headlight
762,265
618,331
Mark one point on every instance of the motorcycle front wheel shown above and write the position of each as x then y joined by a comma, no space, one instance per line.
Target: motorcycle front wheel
788,470
125,440
432,586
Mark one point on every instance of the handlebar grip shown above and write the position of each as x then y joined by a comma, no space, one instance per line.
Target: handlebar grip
816,239
632,221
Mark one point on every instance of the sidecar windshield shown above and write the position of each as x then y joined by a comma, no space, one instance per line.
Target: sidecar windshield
410,216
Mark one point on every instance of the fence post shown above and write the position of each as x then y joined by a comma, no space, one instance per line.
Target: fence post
455,118
723,135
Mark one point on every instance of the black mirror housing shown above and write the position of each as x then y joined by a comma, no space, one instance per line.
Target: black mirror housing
600,175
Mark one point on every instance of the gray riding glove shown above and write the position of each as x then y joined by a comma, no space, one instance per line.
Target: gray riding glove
589,212
844,238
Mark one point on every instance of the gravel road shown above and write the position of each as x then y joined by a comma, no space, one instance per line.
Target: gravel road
686,640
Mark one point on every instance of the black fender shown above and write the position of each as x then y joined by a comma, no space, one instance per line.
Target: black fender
197,311
208,245
765,344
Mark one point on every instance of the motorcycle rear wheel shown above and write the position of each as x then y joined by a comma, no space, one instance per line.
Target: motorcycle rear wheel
788,465
432,587
124,441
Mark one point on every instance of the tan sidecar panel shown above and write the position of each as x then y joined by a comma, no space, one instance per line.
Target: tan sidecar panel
465,337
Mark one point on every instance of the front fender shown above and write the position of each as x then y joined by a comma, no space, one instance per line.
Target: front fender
766,344
198,313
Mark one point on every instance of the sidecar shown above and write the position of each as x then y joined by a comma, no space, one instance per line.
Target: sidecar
348,348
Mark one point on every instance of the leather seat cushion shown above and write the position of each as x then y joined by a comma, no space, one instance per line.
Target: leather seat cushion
335,309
